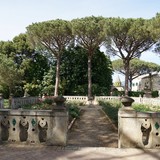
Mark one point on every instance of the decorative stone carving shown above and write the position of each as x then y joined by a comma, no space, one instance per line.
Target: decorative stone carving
127,101
33,127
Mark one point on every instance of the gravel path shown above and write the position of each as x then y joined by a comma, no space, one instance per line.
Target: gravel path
93,129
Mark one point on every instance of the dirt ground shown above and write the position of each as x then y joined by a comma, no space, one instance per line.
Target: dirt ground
93,129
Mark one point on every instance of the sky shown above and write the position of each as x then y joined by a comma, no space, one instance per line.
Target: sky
16,15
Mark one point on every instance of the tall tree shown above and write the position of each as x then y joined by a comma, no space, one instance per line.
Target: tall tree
74,73
33,63
156,30
22,49
7,48
137,68
53,36
9,74
89,33
128,39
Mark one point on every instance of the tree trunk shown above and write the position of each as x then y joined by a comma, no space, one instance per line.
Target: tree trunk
126,67
150,81
57,77
130,82
89,77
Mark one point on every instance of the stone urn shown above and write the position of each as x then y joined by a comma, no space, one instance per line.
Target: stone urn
127,101
59,100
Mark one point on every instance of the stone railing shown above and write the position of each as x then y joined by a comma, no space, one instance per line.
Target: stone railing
71,98
137,129
19,102
1,103
105,98
149,101
140,100
33,127
77,98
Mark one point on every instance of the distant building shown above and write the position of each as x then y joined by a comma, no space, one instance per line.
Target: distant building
117,85
147,81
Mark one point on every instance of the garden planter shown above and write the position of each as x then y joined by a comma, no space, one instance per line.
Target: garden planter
127,101
59,100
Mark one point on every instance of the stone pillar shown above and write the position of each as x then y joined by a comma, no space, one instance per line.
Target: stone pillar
126,124
11,103
1,101
60,128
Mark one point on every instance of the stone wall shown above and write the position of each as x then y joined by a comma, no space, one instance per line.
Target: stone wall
138,129
33,127
22,101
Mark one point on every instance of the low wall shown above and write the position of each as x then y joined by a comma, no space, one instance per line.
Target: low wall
138,129
77,98
18,102
1,103
33,127
149,101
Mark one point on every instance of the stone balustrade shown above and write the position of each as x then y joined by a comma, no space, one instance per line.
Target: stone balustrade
1,103
18,102
33,127
105,98
70,98
77,98
149,101
22,101
138,129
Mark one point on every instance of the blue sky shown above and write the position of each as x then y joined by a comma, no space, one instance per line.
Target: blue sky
16,15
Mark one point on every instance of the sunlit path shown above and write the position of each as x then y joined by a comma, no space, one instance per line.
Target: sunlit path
93,129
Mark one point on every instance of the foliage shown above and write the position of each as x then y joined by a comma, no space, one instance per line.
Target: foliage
38,106
53,36
141,108
32,63
10,76
6,103
130,93
47,104
48,82
22,49
137,68
74,110
48,101
7,48
135,93
155,94
89,34
74,72
128,39
111,109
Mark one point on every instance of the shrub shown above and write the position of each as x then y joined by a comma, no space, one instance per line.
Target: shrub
135,93
141,107
74,110
111,109
48,101
155,94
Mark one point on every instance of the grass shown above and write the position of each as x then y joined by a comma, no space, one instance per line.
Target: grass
145,108
111,109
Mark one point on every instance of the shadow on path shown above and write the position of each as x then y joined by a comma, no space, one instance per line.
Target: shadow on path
92,129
